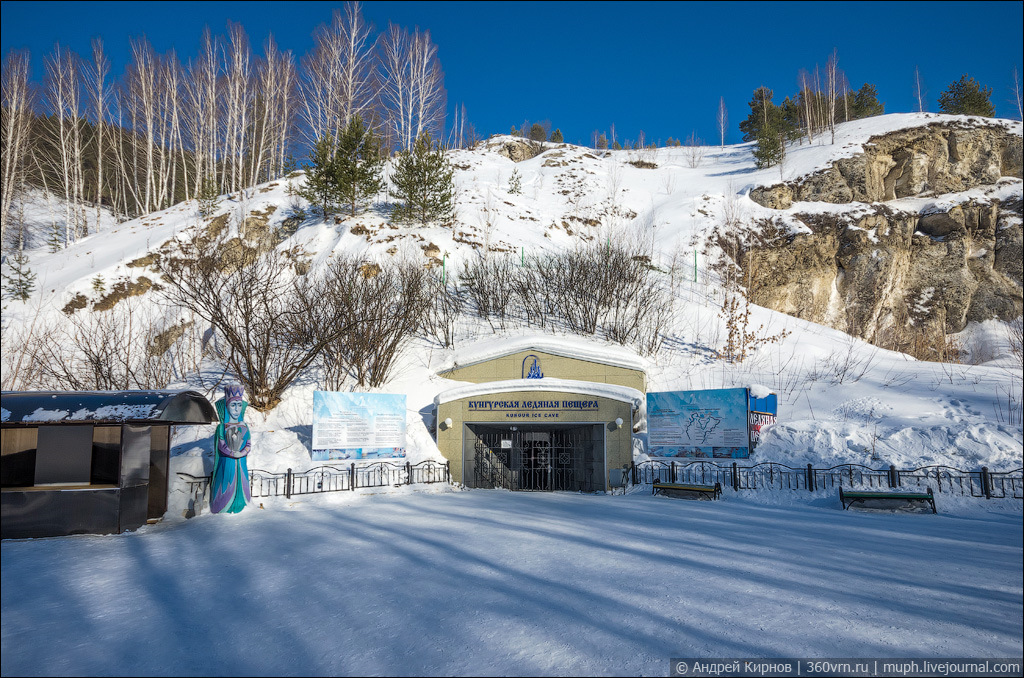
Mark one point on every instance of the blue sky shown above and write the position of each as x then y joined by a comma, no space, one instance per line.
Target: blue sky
659,67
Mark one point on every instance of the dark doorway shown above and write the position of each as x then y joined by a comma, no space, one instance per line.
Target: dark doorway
535,457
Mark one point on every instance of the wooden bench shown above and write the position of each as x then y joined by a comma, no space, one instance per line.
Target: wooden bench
688,490
847,499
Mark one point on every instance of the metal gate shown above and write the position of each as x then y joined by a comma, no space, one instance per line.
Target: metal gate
535,458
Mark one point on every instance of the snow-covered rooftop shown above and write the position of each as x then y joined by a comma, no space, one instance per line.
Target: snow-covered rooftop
567,347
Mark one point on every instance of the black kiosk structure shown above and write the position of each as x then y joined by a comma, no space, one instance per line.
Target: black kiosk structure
88,462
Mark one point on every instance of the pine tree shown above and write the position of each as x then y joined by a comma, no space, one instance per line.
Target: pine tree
760,105
423,183
556,137
769,127
208,197
967,97
358,165
322,186
515,183
537,132
55,241
602,142
865,103
21,281
769,149
789,119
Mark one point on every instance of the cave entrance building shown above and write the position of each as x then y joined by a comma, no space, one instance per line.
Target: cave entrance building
540,414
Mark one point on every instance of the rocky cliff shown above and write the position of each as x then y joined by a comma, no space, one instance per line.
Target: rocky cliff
898,272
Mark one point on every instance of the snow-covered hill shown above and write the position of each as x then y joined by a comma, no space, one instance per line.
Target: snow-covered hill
841,400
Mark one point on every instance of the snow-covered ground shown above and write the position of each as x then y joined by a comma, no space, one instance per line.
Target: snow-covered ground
489,582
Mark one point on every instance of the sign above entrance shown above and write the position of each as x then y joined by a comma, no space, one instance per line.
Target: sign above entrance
502,405
532,409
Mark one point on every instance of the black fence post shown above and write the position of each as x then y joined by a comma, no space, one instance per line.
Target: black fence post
408,474
447,471
352,476
735,478
986,482
894,477
288,484
810,478
632,473
673,468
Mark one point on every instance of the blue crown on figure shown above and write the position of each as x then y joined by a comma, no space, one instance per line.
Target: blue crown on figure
233,392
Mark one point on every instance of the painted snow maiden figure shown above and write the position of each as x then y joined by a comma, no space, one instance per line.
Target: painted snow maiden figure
230,488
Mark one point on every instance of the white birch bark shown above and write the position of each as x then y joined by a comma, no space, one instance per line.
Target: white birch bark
15,126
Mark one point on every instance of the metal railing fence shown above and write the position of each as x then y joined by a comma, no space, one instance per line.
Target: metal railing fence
773,476
329,478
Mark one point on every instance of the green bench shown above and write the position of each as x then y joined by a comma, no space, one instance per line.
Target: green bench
847,499
688,490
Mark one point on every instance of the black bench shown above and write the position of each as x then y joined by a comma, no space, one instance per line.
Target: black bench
688,490
847,499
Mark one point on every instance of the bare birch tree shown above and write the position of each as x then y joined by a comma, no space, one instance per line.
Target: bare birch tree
63,95
275,77
141,102
237,103
832,90
723,120
338,75
807,95
413,85
200,111
96,87
15,126
1017,94
919,91
357,95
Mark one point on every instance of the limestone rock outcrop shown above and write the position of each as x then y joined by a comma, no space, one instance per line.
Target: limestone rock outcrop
516,150
928,160
893,276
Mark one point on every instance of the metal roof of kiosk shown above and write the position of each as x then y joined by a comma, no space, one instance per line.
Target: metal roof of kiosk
43,408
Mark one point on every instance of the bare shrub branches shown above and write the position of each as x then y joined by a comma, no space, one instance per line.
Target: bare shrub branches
610,288
128,347
273,322
379,308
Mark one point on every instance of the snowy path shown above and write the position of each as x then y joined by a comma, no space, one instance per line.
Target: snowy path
491,582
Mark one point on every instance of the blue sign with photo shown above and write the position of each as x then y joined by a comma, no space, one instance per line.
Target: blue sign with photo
708,424
358,425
